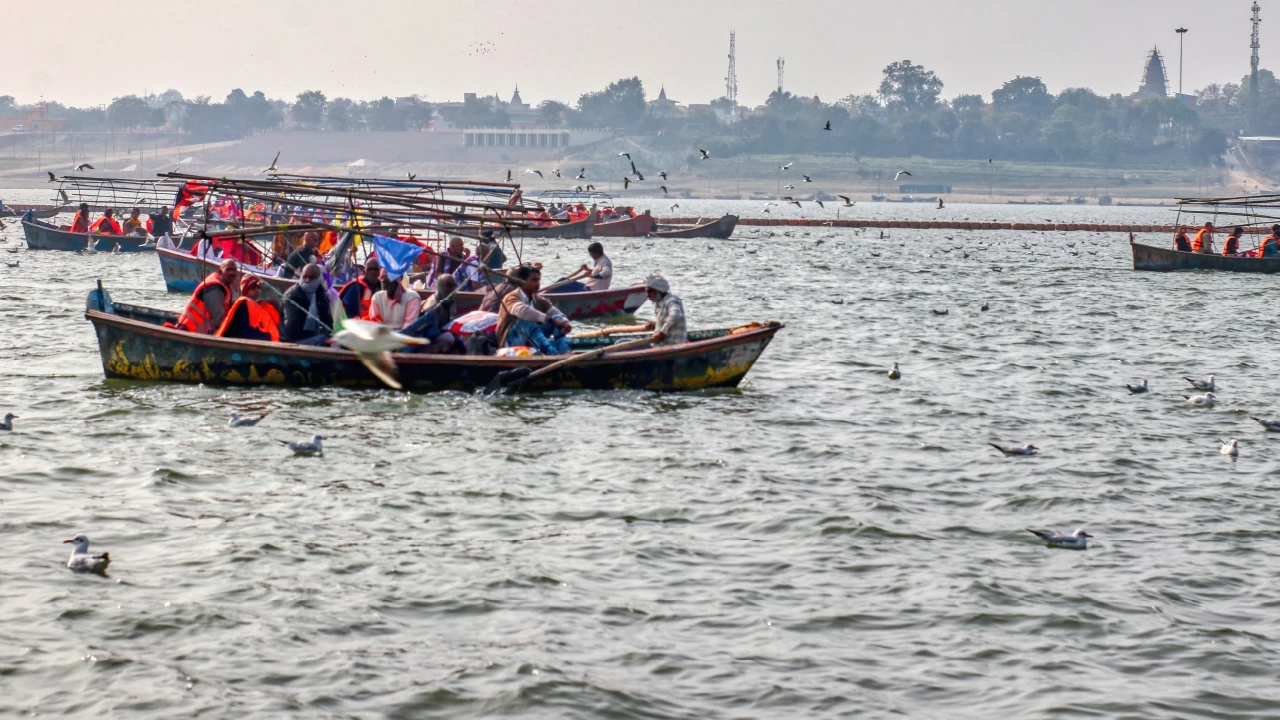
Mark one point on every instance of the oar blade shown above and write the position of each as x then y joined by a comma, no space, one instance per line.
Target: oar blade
506,379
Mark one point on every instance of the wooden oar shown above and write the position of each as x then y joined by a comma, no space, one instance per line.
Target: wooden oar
618,330
510,379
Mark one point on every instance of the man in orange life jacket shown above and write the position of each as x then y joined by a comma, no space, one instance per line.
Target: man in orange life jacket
1232,246
208,305
249,319
1204,240
106,225
357,294
1270,246
80,223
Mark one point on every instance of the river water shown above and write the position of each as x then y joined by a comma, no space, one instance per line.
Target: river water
822,542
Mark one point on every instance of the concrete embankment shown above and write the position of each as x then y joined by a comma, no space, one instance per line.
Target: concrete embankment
943,225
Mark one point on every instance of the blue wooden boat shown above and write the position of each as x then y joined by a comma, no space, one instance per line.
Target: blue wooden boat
1158,259
43,236
135,345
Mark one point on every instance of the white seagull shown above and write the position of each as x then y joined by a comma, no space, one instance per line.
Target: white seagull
83,166
705,154
847,201
250,421
1023,451
373,343
537,172
1230,447
7,425
1205,400
1078,540
1270,425
1206,384
901,173
1137,389
82,561
304,447
894,372
273,165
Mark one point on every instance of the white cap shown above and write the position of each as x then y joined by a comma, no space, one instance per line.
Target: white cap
659,283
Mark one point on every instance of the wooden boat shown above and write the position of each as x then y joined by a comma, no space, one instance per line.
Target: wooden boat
135,345
1149,257
37,212
637,226
43,236
183,272
580,230
716,229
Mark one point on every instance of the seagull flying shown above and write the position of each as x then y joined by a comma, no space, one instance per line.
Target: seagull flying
304,447
705,154
1078,540
508,174
1205,400
827,126
250,421
806,178
1206,384
373,343
83,166
848,202
1270,425
664,189
675,206
556,172
894,372
1137,389
537,172
7,425
582,174
82,561
787,166
627,156
411,176
1230,447
273,165
51,177
663,174
901,173
1023,451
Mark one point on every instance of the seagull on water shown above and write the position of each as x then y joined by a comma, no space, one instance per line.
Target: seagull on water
1023,451
1137,389
985,307
82,561
1230,447
1206,384
304,447
894,372
273,166
1078,540
373,343
1205,400
1269,425
942,312
7,425
249,421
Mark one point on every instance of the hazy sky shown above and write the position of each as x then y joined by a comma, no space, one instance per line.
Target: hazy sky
85,52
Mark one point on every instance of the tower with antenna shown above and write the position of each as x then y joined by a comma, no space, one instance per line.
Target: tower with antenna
1253,59
731,79
782,64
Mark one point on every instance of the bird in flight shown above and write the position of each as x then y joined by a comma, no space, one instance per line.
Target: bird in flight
63,193
663,174
273,165
901,173
411,176
827,126
664,189
806,178
788,187
556,172
705,154
83,166
626,182
847,201
627,156
824,207
582,174
787,166
508,174
675,206
537,172
51,177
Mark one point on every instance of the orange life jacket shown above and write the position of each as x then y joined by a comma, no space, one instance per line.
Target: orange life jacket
366,295
262,317
1203,238
1273,242
80,223
106,225
1231,246
195,318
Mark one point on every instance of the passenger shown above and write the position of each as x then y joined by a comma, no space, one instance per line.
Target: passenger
1231,247
308,316
303,256
495,258
160,224
438,313
596,277
358,294
494,296
394,306
208,305
1203,242
1182,243
668,313
450,260
528,319
249,319
133,224
80,223
106,225
1270,246
470,277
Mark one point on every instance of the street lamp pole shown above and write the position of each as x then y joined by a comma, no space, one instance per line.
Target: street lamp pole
1181,33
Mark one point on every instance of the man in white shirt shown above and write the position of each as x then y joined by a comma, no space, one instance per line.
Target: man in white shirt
668,313
597,277
394,305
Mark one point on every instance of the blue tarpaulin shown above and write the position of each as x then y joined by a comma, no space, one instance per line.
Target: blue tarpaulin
395,256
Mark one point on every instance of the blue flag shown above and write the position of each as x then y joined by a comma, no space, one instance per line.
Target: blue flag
394,255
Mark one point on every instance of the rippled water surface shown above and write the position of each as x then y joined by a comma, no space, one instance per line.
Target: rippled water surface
822,542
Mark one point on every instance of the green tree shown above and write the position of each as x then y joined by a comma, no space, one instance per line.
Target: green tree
1062,133
132,111
308,111
619,104
910,87
1026,95
480,112
339,115
555,114
965,103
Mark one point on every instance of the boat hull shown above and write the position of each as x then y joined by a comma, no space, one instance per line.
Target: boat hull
135,349
183,272
43,236
1157,259
638,226
716,230
580,230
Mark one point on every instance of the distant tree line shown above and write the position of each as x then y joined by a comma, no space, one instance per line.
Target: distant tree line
907,115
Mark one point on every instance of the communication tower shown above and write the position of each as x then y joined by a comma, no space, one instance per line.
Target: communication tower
1253,60
782,63
731,80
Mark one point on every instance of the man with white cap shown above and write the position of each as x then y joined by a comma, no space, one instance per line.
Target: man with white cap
668,312
393,305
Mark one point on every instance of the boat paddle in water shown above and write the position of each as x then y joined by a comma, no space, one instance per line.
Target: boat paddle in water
511,379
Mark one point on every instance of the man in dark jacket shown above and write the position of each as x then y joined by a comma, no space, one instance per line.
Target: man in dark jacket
308,317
